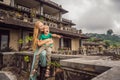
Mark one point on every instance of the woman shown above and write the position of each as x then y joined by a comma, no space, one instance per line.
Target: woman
38,28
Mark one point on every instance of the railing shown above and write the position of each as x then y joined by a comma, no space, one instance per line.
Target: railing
70,29
24,61
115,51
51,24
66,20
67,52
51,17
15,15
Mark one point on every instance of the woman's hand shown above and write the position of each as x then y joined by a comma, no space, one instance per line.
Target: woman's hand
42,42
49,40
37,41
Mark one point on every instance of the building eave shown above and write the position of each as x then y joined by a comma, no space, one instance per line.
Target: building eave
66,21
53,5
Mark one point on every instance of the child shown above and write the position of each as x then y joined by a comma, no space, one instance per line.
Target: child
48,47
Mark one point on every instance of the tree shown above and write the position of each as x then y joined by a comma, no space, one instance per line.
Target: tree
109,32
107,43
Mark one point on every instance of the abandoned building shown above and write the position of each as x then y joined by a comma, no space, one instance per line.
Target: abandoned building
17,19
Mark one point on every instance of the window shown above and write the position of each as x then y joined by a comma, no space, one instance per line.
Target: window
4,39
1,0
65,43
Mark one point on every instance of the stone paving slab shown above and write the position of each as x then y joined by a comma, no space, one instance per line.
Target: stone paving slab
98,62
4,75
61,56
112,74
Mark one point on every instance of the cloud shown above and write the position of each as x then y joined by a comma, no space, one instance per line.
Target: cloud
96,16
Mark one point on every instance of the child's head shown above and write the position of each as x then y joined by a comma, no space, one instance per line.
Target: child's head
46,29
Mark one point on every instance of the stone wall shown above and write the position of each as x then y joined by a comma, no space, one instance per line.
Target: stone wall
77,75
75,44
8,59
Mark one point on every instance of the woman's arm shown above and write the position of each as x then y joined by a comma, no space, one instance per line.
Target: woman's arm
41,42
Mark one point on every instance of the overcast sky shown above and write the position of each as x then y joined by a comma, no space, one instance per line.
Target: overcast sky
93,16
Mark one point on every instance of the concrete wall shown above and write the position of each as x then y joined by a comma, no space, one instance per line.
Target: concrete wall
14,38
6,2
56,44
75,44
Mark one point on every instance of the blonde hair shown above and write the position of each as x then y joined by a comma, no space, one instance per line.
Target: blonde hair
46,26
35,35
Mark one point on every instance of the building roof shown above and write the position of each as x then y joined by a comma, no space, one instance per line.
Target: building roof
54,5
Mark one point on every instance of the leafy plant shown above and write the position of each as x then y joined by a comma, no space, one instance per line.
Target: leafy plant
28,38
107,43
26,42
21,41
33,12
41,18
55,64
26,58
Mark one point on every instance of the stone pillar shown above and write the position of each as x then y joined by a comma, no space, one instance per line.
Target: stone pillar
12,3
41,9
60,16
1,60
80,42
62,42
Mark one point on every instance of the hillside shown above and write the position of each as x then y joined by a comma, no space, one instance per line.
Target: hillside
112,39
